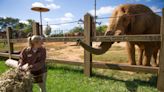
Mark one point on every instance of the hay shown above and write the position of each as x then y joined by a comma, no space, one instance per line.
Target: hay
15,80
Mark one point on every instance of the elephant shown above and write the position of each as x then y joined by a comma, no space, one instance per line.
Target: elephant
132,19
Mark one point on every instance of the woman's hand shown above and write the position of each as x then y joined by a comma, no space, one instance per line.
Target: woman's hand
29,67
19,67
25,67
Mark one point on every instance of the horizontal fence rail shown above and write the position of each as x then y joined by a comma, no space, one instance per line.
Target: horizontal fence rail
102,65
22,40
96,64
143,38
3,40
15,56
63,39
125,67
60,61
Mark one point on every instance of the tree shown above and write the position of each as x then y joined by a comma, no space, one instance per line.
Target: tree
101,29
16,25
76,29
8,21
20,26
28,28
47,31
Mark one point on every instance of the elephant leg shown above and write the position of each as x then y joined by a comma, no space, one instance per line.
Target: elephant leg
141,51
155,54
131,53
147,56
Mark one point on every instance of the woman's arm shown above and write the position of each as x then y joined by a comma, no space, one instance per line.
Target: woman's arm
41,61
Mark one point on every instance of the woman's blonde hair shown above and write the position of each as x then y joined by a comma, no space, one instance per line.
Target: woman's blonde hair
34,39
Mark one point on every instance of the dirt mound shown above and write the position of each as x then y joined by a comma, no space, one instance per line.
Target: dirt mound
16,81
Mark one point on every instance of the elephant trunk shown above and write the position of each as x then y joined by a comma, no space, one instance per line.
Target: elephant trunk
104,46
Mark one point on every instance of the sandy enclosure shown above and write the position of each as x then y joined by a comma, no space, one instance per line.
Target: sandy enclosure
61,50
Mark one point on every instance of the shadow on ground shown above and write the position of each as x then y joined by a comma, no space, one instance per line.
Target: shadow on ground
131,85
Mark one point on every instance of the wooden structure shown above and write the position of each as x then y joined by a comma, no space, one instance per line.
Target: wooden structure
2,35
10,44
40,10
36,30
160,82
88,20
89,38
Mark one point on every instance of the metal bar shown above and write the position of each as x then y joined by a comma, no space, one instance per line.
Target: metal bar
40,17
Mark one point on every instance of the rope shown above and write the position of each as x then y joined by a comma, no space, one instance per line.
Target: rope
100,18
63,23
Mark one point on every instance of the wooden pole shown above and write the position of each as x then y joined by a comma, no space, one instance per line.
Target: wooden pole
10,45
40,30
88,22
160,82
94,29
35,28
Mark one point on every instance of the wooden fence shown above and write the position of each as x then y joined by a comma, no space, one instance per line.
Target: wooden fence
88,38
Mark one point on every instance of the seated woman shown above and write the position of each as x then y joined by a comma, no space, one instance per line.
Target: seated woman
35,55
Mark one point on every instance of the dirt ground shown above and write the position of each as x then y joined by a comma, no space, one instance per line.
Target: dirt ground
64,51
69,51
61,50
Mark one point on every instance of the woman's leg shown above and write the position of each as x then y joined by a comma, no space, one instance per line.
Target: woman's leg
43,84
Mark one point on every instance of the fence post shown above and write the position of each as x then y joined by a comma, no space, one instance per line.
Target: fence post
10,45
35,28
88,20
40,30
160,82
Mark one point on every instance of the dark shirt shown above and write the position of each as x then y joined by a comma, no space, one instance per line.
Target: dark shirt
36,59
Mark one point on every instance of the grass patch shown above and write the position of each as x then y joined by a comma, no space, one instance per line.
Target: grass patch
64,78
112,56
3,67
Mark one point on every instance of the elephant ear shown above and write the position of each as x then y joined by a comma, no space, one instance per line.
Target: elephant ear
132,21
129,19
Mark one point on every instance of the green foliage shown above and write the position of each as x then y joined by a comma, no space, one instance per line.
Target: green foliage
99,29
15,24
20,26
76,29
28,27
8,21
102,28
3,67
